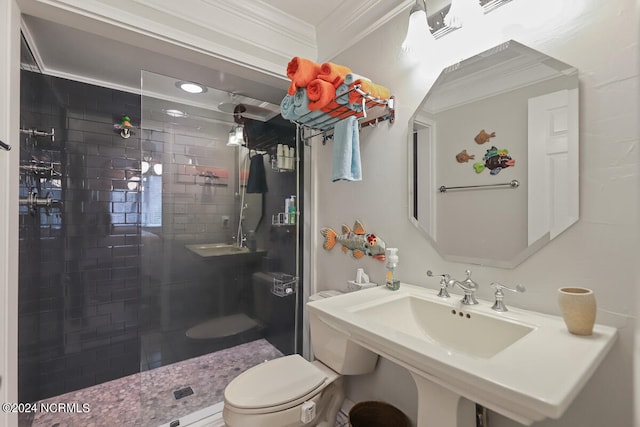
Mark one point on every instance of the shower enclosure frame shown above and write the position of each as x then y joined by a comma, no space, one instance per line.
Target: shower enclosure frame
290,232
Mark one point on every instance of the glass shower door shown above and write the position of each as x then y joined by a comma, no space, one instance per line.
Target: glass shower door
208,307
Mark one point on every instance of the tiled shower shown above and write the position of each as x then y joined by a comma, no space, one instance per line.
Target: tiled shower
104,291
79,290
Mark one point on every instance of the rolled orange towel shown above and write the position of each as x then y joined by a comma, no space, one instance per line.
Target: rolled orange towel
333,73
301,71
373,89
337,110
320,94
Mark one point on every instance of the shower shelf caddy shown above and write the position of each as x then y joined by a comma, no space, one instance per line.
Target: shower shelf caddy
384,110
281,219
285,160
284,285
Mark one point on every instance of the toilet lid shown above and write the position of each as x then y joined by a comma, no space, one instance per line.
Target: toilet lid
274,383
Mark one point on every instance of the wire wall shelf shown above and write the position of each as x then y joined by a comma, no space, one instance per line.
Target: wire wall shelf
284,285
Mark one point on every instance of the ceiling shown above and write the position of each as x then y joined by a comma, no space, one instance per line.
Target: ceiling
80,44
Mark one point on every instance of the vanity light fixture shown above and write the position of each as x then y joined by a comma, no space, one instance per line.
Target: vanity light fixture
191,87
459,13
418,32
463,12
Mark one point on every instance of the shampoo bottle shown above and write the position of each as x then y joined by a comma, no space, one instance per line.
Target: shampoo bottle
392,262
292,210
287,206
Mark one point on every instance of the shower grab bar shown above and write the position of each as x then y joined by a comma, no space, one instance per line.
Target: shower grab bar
511,184
34,202
39,133
5,146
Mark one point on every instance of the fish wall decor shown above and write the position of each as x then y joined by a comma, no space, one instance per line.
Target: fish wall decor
464,157
358,241
495,160
483,136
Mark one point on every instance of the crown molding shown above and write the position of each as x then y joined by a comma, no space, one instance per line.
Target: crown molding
248,38
213,28
352,22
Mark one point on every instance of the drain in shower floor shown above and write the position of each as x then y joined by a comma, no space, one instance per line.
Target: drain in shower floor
183,392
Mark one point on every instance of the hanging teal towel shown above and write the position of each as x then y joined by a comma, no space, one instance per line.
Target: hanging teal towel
346,151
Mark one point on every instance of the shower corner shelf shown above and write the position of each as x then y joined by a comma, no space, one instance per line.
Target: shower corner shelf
284,285
280,220
284,160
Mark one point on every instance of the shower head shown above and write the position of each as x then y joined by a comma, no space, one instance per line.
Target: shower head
251,108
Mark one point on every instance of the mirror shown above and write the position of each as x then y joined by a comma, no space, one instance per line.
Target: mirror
493,156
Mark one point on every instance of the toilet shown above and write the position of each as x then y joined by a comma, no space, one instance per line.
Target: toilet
290,391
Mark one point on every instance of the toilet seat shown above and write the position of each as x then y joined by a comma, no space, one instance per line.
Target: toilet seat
275,385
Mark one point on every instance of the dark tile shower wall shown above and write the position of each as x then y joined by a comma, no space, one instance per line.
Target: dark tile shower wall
79,265
94,283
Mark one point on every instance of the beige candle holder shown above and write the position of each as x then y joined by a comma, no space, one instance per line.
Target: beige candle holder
578,308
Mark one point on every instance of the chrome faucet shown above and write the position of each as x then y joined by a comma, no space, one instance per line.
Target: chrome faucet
468,286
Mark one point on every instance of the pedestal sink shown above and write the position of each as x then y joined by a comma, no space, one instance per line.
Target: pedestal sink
522,364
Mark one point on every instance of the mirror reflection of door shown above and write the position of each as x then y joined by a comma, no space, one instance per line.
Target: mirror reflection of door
476,132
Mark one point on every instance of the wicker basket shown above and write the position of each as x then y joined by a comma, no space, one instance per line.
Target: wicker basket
377,414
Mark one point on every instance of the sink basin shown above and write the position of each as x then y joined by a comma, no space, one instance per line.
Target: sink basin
454,328
522,364
216,249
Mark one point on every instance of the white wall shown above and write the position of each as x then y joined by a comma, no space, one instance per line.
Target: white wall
600,251
9,116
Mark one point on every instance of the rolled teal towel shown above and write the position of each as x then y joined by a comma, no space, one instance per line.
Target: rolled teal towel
341,90
301,109
287,108
349,78
343,98
346,151
301,101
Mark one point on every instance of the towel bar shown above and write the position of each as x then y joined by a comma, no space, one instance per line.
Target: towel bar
512,184
325,123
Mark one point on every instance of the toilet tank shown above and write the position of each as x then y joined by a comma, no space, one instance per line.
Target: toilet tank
333,348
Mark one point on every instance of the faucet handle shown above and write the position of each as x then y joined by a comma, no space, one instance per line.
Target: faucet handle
498,305
445,281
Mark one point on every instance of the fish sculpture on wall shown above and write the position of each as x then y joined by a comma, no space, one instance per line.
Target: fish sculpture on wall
495,160
464,157
483,137
357,241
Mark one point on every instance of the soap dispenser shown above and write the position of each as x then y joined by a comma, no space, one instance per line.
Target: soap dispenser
392,262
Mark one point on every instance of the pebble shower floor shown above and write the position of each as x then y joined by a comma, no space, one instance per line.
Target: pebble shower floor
146,399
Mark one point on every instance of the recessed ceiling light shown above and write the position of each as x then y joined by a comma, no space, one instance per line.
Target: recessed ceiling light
175,113
191,87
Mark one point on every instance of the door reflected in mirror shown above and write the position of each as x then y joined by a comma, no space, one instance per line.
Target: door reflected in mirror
493,156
